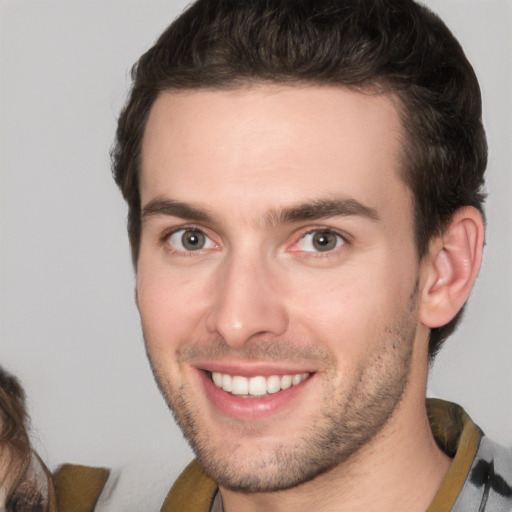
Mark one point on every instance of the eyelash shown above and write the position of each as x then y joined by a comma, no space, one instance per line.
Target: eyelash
345,241
166,235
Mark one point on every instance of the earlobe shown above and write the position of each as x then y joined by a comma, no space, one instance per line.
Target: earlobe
451,267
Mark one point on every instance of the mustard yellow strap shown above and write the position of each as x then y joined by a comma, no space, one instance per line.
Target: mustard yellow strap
459,438
193,491
77,488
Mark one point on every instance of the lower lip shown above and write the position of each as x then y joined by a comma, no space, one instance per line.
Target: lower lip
253,408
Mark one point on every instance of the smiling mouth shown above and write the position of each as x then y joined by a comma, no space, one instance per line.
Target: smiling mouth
256,386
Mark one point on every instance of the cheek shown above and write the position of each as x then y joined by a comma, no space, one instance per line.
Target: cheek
350,310
170,304
332,309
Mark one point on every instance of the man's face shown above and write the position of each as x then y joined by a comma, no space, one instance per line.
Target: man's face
278,277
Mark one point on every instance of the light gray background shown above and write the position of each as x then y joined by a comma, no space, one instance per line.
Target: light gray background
69,327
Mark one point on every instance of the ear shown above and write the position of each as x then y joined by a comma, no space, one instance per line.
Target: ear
451,267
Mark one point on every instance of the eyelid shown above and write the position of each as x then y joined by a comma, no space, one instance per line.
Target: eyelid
166,235
300,234
346,240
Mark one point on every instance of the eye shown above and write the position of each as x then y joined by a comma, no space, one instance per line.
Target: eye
320,241
187,240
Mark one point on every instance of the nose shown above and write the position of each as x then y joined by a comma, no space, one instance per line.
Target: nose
247,302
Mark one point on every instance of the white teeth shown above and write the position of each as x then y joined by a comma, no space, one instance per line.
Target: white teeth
273,384
217,379
240,385
256,386
286,381
227,383
296,379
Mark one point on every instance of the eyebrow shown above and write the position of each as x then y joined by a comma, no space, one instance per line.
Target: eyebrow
320,209
163,206
309,210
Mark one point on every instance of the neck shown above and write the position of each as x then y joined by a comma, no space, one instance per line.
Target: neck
400,470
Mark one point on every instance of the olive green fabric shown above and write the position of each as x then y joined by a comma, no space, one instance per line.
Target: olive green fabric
193,491
77,488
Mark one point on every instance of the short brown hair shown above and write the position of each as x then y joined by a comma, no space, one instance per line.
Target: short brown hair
396,46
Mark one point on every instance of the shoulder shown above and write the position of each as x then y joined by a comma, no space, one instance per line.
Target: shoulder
137,484
489,481
79,487
193,491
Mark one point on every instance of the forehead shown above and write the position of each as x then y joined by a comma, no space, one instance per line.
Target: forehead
260,146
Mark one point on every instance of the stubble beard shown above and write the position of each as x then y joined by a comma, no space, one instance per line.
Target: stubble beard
348,420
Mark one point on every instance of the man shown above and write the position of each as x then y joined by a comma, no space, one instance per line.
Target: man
304,182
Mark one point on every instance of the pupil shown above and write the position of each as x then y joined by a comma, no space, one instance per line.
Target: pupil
324,241
193,240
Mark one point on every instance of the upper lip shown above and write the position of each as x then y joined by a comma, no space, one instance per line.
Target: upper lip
252,369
